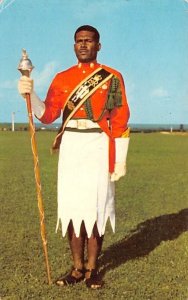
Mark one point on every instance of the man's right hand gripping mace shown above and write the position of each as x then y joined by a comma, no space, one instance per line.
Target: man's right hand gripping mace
25,67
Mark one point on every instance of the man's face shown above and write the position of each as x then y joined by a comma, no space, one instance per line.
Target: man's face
86,47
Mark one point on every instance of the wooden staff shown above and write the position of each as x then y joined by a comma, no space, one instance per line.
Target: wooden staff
25,67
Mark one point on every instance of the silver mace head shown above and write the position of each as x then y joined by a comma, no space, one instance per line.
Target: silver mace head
25,66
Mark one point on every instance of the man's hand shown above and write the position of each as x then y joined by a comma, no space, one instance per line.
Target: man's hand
122,144
119,171
25,86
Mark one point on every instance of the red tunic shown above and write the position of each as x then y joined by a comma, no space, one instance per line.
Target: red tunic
64,83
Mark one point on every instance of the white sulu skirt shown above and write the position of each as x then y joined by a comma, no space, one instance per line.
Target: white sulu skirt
85,192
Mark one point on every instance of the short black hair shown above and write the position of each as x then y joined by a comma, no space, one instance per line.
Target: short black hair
88,28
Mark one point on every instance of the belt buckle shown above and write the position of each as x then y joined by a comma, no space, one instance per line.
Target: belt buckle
81,124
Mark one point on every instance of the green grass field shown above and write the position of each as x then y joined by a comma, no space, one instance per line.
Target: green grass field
147,257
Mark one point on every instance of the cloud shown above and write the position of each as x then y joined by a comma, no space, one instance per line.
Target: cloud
95,7
160,93
9,84
130,89
42,79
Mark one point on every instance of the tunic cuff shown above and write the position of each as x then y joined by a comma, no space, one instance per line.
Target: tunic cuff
122,145
38,107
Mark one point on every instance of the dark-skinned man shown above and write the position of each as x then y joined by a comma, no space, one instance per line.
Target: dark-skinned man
93,143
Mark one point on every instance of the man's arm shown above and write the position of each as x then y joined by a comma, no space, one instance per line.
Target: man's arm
46,111
119,118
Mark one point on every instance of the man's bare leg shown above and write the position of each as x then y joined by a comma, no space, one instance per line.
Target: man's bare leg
94,246
77,245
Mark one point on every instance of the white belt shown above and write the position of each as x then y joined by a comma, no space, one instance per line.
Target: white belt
82,124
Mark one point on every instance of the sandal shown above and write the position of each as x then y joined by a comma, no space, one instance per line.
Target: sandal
94,281
71,279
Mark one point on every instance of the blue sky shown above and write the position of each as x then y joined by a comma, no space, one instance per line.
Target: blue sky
146,40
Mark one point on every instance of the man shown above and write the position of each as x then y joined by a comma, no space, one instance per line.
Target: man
93,143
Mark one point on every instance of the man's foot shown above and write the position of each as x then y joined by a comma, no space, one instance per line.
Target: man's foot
75,276
92,279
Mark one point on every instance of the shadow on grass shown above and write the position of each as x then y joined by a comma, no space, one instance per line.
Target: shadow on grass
144,239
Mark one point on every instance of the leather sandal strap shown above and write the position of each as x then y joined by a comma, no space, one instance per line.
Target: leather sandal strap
92,271
69,278
94,281
82,271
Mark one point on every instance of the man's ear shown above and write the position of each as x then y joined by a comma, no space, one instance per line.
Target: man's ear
99,46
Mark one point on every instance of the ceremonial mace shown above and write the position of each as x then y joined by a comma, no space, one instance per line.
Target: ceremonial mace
25,67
